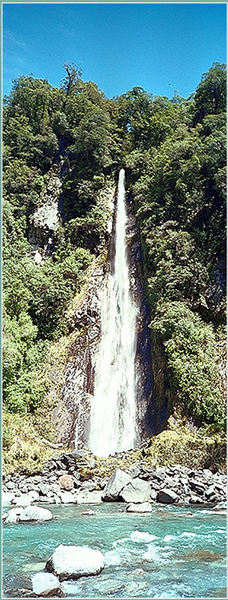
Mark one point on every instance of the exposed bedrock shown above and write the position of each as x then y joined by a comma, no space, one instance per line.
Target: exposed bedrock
71,417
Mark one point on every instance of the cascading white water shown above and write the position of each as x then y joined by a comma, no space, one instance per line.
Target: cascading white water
113,411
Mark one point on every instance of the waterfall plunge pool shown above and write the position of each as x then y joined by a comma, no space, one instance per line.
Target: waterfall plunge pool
173,552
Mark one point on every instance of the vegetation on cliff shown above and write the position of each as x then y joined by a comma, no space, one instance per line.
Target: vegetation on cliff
174,154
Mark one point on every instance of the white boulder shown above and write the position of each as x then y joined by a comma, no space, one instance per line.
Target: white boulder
142,507
13,515
34,495
35,513
136,491
67,498
71,562
7,498
45,583
23,500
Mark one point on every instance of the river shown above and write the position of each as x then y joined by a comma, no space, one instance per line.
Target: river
173,552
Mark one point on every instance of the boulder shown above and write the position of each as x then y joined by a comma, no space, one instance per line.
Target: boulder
23,500
143,507
167,496
116,483
136,491
13,515
7,498
195,499
35,513
66,482
67,498
86,497
71,562
34,495
88,513
44,583
44,488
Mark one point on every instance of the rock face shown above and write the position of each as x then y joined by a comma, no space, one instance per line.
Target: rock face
71,562
71,416
143,507
115,485
45,221
136,491
44,584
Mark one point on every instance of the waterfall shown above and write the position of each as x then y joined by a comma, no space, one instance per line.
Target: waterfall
113,408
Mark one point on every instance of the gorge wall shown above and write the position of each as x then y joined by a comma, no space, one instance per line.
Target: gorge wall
71,417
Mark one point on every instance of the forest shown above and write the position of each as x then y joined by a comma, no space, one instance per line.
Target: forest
174,154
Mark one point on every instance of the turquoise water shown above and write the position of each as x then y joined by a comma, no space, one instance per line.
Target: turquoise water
173,552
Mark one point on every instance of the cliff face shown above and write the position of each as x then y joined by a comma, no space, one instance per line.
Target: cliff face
71,417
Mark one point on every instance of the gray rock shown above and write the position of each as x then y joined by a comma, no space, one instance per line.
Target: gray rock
115,485
44,488
195,500
143,507
71,562
136,491
46,499
167,496
210,491
45,583
134,472
35,513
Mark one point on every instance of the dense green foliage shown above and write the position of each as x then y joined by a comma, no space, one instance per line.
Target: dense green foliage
178,183
174,153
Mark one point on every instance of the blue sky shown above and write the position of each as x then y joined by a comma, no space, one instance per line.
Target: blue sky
161,47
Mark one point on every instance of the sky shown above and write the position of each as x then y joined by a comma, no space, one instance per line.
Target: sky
164,48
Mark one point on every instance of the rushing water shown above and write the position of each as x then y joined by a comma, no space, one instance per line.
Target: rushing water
113,409
174,552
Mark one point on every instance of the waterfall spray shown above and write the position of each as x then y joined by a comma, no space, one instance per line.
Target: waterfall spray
113,425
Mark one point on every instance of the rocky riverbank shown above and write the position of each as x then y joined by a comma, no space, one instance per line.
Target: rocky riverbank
74,478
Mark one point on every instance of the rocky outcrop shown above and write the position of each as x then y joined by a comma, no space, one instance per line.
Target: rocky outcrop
71,562
72,414
45,221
